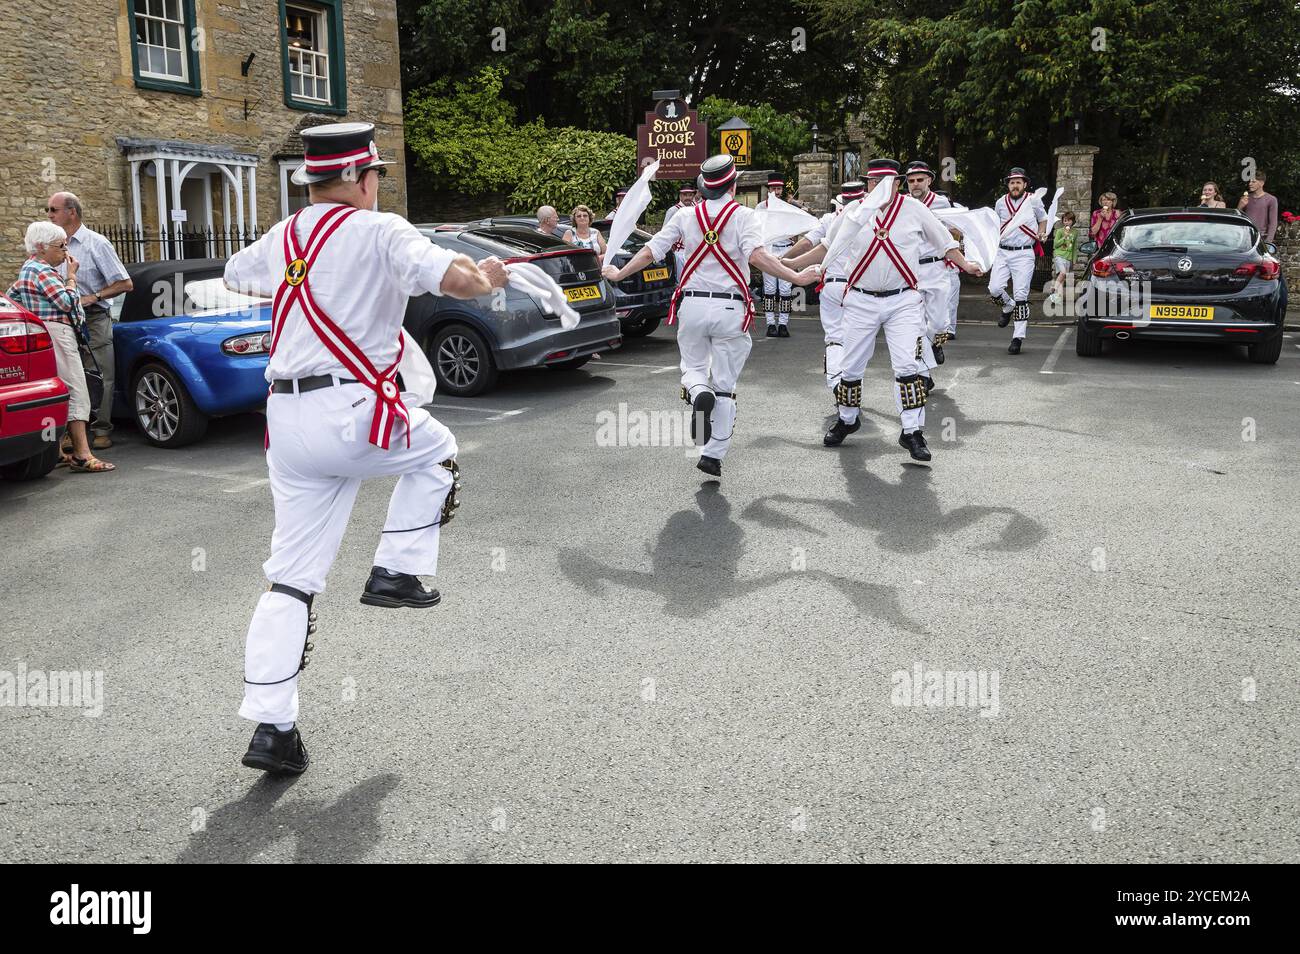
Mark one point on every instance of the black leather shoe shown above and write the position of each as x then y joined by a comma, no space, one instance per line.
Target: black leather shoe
274,751
1014,347
1005,319
394,590
840,430
783,331
711,466
702,417
771,331
929,382
938,354
915,445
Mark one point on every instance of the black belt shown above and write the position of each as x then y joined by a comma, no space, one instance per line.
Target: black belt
285,385
831,281
704,294
931,260
1013,248
882,294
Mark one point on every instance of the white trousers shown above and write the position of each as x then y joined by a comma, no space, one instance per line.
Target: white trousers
319,456
902,317
831,311
936,289
67,362
773,286
1017,267
954,276
714,350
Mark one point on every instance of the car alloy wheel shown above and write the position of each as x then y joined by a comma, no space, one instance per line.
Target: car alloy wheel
459,360
157,407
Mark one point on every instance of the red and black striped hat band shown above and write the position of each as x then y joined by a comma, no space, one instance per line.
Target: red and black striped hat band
722,179
855,194
340,160
776,182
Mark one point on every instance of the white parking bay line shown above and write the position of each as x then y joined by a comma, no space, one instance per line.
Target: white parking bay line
653,368
242,481
504,414
1055,353
476,407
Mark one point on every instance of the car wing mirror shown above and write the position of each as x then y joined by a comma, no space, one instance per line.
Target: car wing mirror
1088,248
1270,248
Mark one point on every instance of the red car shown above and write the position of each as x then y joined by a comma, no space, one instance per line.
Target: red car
33,400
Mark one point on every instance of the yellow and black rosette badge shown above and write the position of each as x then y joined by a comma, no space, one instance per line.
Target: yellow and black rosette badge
711,237
295,272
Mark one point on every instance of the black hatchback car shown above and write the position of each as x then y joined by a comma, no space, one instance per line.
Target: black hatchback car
641,300
469,342
1189,274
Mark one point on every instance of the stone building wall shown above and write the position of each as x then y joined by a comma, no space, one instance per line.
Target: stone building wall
1287,240
66,70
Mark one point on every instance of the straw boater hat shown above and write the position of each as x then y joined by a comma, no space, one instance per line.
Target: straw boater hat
330,151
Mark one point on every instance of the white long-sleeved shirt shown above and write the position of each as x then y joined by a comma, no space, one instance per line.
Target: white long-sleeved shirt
914,228
741,236
361,279
1006,207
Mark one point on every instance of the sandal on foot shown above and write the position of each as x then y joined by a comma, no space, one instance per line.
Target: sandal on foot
90,465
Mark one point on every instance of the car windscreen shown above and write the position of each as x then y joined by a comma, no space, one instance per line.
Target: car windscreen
507,242
1186,236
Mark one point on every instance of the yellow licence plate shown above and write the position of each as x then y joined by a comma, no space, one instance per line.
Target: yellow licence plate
654,274
582,293
1183,312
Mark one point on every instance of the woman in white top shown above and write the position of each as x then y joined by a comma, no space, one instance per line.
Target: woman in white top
582,234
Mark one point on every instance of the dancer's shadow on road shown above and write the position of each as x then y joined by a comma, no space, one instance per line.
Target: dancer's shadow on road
695,568
906,516
340,831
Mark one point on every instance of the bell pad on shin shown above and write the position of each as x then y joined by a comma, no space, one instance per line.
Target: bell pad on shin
452,501
1022,311
912,391
849,393
786,304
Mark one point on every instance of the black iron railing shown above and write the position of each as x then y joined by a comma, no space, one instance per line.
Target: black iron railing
147,245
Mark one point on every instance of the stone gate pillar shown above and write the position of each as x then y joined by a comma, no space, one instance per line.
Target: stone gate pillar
814,172
1074,175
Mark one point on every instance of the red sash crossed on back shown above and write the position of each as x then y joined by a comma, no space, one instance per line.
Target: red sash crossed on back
885,222
296,290
713,228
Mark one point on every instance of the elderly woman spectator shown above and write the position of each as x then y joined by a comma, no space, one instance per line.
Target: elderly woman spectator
57,302
582,234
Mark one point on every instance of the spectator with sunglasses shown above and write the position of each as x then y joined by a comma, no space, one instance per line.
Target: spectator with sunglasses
102,277
57,302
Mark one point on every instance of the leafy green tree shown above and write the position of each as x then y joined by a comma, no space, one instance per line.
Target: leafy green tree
572,167
778,137
466,135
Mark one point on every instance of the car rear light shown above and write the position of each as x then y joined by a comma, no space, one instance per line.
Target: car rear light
1111,268
558,355
248,344
21,334
1267,269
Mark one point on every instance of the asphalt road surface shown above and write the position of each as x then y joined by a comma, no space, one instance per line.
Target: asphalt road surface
631,664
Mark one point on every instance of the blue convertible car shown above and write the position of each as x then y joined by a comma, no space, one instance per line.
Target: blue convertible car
187,350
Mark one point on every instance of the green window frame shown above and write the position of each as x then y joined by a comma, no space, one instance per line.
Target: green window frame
163,34
335,74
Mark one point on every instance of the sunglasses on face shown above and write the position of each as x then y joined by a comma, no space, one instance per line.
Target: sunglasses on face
50,208
917,180
62,246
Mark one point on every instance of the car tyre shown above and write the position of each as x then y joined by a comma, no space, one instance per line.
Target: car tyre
640,327
1266,352
462,361
162,408
573,364
36,466
1087,344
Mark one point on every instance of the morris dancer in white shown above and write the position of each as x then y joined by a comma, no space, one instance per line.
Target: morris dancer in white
934,273
1018,246
686,196
722,239
340,275
777,294
831,306
882,291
